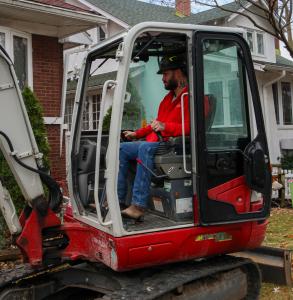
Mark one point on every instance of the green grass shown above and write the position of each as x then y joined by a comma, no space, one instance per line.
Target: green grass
279,234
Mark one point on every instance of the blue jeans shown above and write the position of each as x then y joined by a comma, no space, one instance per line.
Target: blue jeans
144,151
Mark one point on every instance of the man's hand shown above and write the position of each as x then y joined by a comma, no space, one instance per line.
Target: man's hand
158,126
129,134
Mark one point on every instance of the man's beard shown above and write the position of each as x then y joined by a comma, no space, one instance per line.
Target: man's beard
171,84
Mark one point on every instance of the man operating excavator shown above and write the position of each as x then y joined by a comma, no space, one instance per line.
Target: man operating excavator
168,123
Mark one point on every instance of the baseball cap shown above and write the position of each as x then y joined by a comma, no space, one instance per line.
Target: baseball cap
172,62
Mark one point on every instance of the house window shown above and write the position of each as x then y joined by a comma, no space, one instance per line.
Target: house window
249,36
255,40
102,34
20,60
228,111
90,114
69,111
260,43
287,103
282,96
19,48
216,88
2,39
276,101
95,111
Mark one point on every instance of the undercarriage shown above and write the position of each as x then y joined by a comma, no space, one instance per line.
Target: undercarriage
222,277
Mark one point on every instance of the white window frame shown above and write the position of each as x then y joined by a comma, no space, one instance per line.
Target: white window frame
9,34
254,41
226,106
280,102
89,112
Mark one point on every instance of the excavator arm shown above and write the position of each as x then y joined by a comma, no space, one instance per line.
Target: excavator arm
17,142
19,147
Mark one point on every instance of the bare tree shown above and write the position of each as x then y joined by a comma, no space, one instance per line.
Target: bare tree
278,13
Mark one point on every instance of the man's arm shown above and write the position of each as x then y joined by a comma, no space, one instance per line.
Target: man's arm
142,132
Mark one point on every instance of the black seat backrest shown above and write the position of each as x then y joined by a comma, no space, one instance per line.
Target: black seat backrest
87,157
210,110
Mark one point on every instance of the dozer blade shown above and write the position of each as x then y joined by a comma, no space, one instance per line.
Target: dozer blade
9,212
275,264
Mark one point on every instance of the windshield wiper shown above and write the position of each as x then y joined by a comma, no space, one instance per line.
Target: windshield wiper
99,66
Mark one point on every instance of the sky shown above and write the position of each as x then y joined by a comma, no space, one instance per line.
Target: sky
199,8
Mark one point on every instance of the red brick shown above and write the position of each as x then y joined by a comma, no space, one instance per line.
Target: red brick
48,78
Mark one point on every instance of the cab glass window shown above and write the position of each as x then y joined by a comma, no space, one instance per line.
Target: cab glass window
225,84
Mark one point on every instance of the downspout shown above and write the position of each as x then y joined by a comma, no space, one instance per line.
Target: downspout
265,110
63,98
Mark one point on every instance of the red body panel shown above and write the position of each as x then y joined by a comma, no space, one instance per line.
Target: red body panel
236,193
30,239
148,249
142,250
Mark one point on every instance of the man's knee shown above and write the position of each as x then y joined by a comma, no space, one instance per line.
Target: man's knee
146,148
125,147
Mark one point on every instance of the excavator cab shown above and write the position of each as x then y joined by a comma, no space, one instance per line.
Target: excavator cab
219,174
210,189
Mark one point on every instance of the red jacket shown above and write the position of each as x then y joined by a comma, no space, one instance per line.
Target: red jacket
170,114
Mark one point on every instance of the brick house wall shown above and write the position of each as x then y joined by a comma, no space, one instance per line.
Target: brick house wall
47,81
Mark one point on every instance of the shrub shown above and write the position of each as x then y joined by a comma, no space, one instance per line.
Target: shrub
287,162
133,113
34,111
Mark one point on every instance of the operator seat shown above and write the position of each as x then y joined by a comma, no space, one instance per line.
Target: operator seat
86,169
171,195
169,156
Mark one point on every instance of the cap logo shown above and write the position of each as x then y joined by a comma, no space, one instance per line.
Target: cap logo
171,58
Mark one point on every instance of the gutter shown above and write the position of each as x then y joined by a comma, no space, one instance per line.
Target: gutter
278,68
275,79
54,10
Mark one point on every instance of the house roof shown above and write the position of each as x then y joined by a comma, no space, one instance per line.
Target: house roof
94,81
48,17
282,61
123,10
62,4
98,80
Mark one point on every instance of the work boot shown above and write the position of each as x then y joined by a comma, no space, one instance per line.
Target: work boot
133,212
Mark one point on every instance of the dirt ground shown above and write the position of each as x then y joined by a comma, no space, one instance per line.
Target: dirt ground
279,234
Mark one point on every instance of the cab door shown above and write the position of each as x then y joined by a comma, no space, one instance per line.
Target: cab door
233,180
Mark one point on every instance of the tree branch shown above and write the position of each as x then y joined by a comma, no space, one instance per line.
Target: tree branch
278,13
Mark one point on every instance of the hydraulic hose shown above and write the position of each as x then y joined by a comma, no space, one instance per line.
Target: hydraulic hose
55,194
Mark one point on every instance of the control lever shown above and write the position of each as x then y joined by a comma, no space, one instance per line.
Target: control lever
159,135
148,169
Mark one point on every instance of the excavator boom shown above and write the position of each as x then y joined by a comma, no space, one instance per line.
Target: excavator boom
17,142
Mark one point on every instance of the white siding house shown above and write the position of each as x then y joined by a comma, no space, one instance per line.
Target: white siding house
274,73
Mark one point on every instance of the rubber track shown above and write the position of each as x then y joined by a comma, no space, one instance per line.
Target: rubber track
166,279
145,284
19,271
25,271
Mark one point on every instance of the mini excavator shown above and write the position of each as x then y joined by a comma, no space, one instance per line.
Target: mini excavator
210,191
